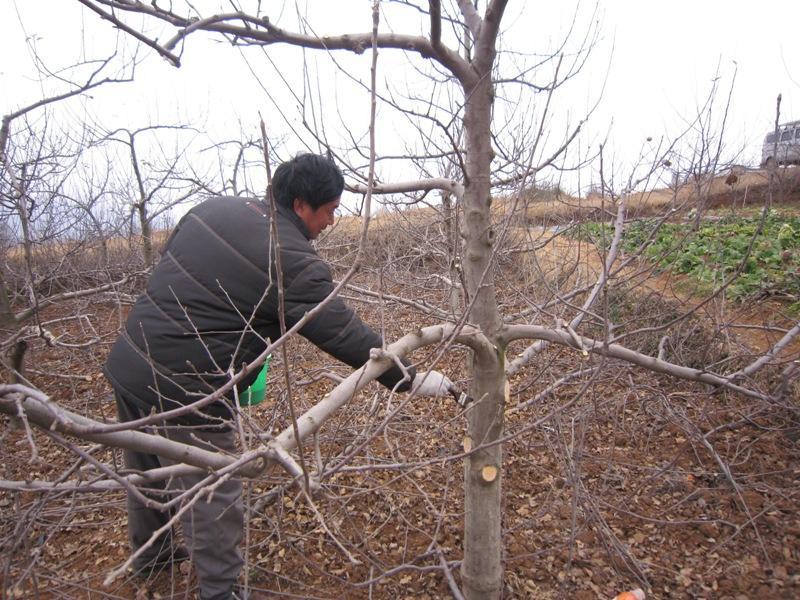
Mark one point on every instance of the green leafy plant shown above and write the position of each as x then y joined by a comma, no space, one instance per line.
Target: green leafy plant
763,260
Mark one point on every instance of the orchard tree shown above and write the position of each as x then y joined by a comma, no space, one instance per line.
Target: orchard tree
486,125
37,157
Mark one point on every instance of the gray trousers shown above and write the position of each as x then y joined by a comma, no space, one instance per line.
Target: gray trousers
212,529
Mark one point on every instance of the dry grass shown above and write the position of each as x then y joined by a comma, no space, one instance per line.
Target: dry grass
349,226
115,245
738,184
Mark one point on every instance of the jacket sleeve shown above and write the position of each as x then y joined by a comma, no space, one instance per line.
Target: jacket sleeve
337,329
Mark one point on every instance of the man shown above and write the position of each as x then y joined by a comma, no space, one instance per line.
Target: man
210,304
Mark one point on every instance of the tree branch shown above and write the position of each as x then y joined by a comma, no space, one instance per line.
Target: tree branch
262,31
566,338
45,413
132,32
768,356
28,312
485,43
420,185
471,16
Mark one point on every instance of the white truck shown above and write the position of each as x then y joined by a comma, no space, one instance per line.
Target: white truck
782,147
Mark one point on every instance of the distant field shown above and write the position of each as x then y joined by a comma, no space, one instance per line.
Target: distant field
740,187
746,189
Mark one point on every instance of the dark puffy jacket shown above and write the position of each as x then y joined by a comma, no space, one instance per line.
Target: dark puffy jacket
212,302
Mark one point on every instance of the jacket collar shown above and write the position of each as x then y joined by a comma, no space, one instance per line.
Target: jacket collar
294,219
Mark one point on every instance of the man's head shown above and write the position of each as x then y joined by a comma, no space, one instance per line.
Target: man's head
311,186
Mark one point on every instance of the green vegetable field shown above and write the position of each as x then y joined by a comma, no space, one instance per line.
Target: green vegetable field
761,255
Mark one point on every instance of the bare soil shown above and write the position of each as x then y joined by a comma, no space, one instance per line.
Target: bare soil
622,490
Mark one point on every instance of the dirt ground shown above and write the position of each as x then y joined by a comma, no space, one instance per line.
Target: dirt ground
643,481
624,489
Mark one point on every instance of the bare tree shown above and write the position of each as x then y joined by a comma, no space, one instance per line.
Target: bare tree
35,160
705,151
159,179
552,297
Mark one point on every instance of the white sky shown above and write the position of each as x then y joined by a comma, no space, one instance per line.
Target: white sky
665,56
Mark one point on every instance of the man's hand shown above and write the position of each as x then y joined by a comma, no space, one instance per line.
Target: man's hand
431,383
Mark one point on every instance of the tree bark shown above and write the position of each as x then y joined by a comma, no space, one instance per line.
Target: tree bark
481,569
147,234
453,261
6,314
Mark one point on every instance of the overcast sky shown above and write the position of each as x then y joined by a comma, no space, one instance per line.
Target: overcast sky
654,64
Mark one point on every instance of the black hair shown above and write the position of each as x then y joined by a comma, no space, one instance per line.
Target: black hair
311,177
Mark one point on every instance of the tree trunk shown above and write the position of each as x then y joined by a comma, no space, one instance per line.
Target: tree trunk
6,314
481,570
101,239
147,233
453,262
